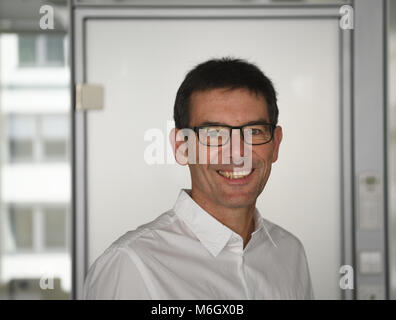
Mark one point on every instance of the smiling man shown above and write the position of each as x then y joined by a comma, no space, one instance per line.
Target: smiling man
214,243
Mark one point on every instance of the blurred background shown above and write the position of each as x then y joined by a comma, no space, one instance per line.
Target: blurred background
37,225
35,233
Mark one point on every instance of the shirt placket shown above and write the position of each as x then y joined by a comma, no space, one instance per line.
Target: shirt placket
236,246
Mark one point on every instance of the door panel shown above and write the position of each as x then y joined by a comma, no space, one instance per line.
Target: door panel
141,64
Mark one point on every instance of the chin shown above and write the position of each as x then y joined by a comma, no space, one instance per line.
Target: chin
237,200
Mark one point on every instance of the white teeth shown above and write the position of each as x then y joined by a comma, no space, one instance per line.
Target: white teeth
235,175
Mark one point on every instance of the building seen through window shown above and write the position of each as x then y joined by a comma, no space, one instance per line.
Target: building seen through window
37,137
35,228
40,50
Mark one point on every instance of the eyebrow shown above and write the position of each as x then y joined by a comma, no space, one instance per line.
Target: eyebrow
211,123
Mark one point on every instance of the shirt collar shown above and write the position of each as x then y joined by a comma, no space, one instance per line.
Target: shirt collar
212,233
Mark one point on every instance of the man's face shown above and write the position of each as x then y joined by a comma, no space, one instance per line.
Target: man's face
213,182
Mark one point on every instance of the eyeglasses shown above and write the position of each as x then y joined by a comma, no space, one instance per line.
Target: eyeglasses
219,135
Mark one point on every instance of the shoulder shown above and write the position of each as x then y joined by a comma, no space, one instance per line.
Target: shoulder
146,233
288,247
281,236
137,238
118,267
290,254
114,275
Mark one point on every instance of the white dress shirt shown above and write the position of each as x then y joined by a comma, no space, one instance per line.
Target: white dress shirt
186,253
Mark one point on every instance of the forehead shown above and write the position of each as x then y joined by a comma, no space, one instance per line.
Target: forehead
228,106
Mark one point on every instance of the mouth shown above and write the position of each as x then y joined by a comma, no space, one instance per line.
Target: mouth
236,176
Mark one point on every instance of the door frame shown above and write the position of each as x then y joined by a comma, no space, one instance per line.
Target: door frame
355,54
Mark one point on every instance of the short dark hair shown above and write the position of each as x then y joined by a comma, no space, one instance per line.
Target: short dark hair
228,73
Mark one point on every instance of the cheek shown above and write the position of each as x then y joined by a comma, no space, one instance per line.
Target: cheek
263,159
211,155
200,172
203,153
266,153
218,155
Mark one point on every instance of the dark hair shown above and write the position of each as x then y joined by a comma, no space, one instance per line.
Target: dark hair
227,73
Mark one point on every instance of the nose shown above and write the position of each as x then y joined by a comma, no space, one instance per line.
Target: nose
237,146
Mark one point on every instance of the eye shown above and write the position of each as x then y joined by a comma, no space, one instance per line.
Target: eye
255,131
214,131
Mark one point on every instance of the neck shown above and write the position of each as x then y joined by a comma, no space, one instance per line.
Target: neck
240,220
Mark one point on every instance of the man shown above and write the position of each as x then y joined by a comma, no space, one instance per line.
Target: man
213,244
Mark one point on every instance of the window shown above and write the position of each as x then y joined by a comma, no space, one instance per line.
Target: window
55,227
37,138
35,209
54,50
36,228
27,50
54,132
41,50
21,227
21,132
21,149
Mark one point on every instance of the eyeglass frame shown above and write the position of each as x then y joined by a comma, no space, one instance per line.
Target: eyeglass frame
240,128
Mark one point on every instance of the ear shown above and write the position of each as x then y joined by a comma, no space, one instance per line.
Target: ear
278,134
179,146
